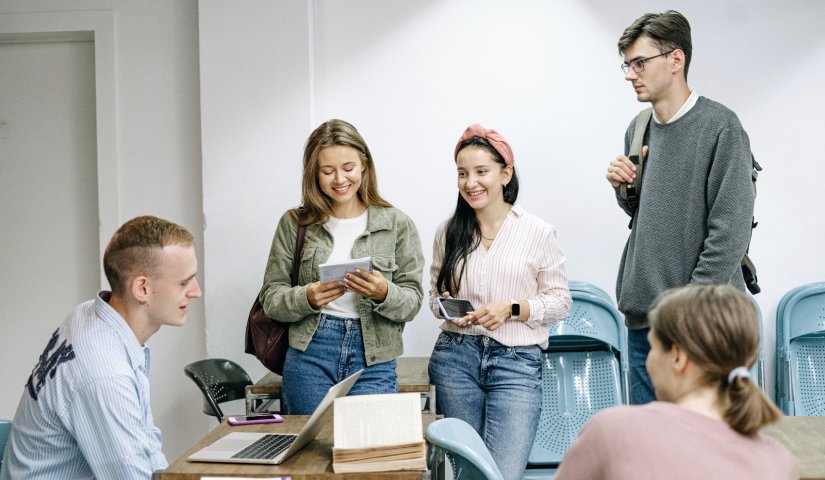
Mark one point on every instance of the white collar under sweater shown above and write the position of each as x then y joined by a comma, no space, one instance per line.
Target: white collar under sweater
689,103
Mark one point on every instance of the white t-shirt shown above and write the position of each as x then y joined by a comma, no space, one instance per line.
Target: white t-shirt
344,232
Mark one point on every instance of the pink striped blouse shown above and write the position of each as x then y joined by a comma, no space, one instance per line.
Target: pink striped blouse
524,262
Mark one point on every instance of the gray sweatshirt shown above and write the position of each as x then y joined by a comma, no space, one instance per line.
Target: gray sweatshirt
693,223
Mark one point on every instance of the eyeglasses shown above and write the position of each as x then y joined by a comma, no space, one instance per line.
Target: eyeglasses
638,65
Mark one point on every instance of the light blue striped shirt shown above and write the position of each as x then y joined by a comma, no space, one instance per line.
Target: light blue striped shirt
85,409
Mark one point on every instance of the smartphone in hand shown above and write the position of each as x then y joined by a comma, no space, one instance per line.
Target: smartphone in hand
255,418
454,308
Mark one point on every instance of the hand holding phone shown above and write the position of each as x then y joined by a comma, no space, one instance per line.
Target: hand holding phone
454,308
255,418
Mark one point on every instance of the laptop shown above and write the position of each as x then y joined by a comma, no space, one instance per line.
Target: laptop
273,448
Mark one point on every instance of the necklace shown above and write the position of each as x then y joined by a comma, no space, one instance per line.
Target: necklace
497,227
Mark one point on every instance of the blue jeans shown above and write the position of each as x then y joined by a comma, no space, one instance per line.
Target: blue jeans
641,388
335,352
494,388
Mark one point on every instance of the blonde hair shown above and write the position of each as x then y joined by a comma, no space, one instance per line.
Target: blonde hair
135,249
317,207
716,326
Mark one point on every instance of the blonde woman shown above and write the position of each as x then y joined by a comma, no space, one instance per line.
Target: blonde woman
339,328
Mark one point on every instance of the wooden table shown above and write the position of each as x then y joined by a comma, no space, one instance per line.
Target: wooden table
805,438
314,461
412,377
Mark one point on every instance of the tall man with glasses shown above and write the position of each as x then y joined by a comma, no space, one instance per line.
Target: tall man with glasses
692,223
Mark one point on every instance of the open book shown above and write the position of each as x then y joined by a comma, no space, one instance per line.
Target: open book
377,433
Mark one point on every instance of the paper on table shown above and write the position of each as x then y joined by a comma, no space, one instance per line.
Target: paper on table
329,272
373,420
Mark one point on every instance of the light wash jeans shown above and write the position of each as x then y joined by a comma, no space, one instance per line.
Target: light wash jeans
494,388
335,352
641,388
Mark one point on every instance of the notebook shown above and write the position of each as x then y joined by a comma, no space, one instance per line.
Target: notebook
273,448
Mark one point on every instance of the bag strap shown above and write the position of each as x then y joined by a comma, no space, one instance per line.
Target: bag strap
296,258
631,191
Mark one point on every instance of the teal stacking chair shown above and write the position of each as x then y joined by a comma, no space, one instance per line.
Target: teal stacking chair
758,368
219,380
800,356
5,429
584,370
578,285
465,449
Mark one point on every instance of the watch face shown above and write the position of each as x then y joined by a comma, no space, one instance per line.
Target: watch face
515,309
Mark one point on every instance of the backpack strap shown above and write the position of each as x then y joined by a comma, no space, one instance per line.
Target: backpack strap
630,192
296,258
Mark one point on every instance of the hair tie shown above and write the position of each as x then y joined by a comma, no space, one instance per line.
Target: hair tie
493,138
738,372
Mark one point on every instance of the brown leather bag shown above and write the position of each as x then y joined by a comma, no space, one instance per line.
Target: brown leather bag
267,338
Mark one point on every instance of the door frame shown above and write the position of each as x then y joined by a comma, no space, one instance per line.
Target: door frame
97,26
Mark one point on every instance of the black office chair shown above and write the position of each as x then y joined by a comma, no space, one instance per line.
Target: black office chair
220,381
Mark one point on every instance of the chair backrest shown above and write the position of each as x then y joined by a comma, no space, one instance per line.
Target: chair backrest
593,322
578,285
219,380
584,370
468,455
5,429
800,326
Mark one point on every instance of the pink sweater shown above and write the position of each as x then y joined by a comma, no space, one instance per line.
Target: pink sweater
665,441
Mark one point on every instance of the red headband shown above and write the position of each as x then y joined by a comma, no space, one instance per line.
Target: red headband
493,138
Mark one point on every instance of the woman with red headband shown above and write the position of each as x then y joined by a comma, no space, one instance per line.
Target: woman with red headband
486,366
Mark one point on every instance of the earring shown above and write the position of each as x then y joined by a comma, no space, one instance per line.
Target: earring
144,302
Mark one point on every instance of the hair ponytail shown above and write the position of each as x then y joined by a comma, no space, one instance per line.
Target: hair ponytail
745,407
716,325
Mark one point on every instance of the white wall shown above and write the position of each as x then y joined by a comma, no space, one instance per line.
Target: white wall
158,165
412,75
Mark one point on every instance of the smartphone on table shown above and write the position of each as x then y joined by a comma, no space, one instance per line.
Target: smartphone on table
255,418
454,308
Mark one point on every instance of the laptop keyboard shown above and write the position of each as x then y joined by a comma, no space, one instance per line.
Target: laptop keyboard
267,447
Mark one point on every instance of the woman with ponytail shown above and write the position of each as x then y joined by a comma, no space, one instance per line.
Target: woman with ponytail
706,421
486,366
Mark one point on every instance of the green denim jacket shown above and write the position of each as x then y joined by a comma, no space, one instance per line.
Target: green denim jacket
392,241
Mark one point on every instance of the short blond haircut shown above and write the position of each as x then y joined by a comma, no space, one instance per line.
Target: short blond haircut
135,249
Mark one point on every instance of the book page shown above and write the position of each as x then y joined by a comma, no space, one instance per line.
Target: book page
329,272
374,420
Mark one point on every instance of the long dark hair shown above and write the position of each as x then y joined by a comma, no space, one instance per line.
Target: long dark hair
463,233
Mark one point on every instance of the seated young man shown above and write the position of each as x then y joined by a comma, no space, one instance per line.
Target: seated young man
85,409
